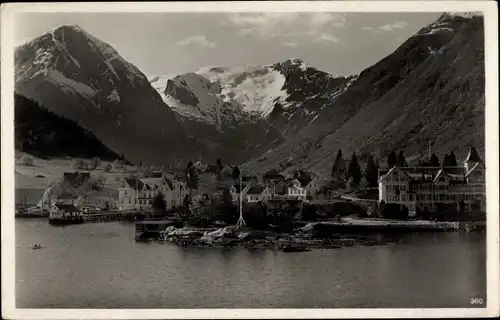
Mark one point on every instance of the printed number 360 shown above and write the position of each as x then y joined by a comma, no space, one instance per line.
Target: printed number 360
476,301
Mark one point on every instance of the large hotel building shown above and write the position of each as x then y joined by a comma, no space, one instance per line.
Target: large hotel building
428,188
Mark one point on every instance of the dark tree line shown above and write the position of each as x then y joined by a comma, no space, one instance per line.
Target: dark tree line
350,173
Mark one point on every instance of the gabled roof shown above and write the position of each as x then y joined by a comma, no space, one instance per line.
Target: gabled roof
472,169
473,156
305,180
134,183
256,190
237,187
441,173
66,207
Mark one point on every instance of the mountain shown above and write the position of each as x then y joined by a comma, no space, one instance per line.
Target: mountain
248,108
220,123
43,134
84,79
430,89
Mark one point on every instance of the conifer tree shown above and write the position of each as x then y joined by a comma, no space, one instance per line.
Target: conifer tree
453,159
434,161
371,171
354,170
446,160
236,172
392,159
339,171
402,159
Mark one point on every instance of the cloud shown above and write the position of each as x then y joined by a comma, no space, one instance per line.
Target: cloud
273,24
290,44
393,26
325,19
196,40
387,27
328,38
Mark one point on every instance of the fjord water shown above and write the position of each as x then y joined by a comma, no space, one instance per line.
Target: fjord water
101,266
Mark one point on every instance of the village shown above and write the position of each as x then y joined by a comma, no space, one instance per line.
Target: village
217,196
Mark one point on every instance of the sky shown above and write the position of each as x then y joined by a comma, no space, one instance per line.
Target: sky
171,43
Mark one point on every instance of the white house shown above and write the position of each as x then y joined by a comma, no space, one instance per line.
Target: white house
310,184
138,194
295,190
234,190
258,193
426,188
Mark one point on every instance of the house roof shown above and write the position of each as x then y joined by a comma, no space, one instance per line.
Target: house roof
237,187
66,207
426,174
256,190
134,183
304,180
77,178
473,156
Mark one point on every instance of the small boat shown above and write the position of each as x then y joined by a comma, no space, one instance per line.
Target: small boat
36,247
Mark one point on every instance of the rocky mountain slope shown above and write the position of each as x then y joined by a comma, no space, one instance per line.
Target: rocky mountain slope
250,108
42,133
431,88
84,79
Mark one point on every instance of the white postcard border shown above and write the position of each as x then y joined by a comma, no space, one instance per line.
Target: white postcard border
489,9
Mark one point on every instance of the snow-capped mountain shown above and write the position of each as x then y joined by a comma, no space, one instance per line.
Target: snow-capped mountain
430,89
287,94
84,79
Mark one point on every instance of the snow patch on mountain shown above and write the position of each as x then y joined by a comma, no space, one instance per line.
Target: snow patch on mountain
255,88
69,85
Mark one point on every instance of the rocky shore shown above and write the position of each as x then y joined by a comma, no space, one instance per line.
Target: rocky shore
230,237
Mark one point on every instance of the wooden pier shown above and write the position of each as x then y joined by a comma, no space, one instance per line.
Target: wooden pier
108,216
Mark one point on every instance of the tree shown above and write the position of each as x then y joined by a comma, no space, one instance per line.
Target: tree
434,161
401,161
364,184
446,160
96,162
79,164
371,172
117,165
107,167
339,172
236,172
147,171
189,167
159,204
453,159
192,179
354,170
392,159
227,199
27,160
220,166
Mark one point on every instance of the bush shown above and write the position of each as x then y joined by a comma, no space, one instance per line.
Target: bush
96,162
27,161
107,167
79,164
117,165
